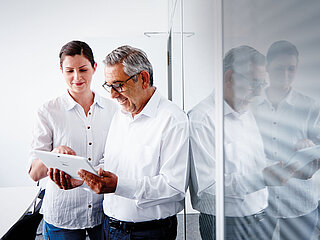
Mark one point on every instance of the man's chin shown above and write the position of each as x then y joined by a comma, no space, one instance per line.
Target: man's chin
126,108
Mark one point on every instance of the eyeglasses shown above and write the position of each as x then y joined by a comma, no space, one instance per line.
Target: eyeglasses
253,82
117,86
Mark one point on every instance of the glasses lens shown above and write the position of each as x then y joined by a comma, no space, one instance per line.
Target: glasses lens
106,87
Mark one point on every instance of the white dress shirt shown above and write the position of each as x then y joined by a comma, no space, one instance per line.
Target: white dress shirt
245,193
62,121
149,154
296,118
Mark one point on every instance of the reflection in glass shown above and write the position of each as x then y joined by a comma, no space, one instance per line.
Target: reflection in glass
289,121
245,191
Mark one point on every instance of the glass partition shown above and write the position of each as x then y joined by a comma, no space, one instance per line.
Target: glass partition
201,67
271,118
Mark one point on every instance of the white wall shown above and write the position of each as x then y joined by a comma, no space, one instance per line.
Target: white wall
32,33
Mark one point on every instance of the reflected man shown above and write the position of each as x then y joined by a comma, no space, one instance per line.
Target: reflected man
288,121
245,192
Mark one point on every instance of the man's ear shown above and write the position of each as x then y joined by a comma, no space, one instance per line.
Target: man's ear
228,78
145,79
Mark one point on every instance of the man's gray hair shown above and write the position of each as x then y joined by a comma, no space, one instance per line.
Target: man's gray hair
134,60
239,59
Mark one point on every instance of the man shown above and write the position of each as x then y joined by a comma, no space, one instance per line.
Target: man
146,157
245,192
288,121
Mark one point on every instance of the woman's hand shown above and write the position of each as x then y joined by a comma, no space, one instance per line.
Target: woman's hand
64,150
303,143
62,179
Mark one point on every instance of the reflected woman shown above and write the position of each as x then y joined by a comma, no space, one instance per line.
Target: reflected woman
79,119
288,121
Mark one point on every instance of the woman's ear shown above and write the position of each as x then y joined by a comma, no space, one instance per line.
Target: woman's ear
95,67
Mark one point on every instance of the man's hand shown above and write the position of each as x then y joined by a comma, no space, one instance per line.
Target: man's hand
63,180
106,183
278,175
308,170
312,167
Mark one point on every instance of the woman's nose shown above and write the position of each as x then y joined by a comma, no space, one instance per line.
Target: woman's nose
76,75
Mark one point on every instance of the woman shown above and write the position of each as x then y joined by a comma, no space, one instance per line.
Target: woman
76,123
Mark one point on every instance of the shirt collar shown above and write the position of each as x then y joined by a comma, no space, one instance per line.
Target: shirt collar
289,99
150,109
99,100
71,103
229,110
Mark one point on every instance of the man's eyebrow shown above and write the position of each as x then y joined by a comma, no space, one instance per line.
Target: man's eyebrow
117,81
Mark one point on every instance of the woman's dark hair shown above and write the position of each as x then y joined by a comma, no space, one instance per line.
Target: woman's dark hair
76,48
281,47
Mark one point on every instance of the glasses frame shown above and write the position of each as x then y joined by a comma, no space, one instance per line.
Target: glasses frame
117,86
254,83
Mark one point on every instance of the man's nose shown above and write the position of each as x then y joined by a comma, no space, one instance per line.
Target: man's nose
113,93
287,74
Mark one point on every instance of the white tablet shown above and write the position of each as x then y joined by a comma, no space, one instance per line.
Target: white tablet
305,155
70,164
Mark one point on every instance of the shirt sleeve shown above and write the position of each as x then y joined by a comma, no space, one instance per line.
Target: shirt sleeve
203,165
41,136
314,123
171,182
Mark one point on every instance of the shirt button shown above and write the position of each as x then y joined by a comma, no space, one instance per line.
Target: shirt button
90,143
89,159
274,123
89,113
274,138
89,206
88,127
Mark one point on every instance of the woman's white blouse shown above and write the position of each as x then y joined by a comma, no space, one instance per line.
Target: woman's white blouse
62,121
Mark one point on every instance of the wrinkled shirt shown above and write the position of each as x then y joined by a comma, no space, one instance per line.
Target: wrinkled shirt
62,121
245,192
295,118
149,154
